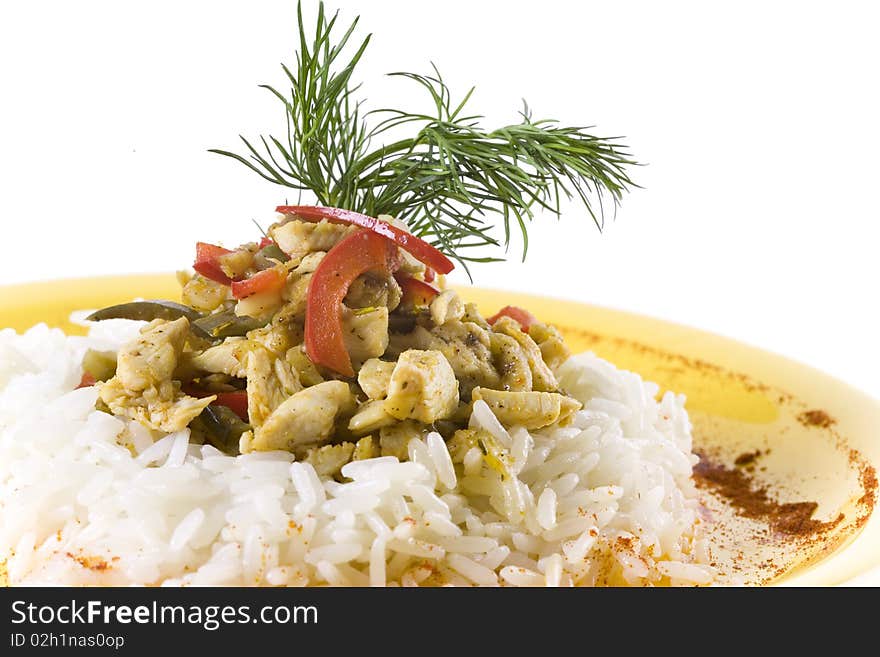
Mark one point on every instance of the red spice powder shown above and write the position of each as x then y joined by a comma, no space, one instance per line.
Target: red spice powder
753,501
90,562
816,418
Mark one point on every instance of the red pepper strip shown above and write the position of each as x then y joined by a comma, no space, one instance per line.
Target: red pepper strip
236,401
266,241
418,248
416,292
207,264
524,317
268,280
430,275
86,381
358,253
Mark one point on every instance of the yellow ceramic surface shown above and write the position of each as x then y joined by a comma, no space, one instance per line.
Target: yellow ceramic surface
818,437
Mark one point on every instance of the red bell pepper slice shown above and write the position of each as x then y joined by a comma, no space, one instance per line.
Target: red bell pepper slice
207,264
430,275
358,253
266,241
236,401
417,247
521,315
268,280
415,292
86,381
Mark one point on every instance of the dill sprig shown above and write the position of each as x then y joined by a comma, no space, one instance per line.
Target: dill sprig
451,179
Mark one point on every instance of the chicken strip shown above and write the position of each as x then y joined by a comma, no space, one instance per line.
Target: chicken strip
532,410
229,357
464,344
511,362
446,306
270,381
143,389
329,459
365,334
299,238
162,408
369,417
305,419
551,343
374,377
542,377
423,387
152,358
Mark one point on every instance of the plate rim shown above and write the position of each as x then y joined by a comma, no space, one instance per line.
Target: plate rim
29,293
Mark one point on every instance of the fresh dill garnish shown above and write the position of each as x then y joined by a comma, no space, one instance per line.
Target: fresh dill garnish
451,178
260,228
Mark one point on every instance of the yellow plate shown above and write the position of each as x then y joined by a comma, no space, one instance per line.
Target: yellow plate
816,438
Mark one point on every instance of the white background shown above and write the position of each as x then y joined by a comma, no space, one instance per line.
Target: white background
757,121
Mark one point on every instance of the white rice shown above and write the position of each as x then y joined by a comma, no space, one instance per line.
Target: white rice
86,498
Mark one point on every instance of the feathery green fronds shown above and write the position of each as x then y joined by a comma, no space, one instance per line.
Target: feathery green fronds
453,180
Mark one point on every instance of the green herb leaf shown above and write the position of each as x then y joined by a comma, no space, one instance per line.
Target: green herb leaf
453,181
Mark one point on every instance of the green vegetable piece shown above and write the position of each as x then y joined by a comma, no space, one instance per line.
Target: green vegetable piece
274,252
451,179
494,454
146,311
222,428
308,373
100,364
226,325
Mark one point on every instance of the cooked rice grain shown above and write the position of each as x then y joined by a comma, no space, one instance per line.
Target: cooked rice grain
86,498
